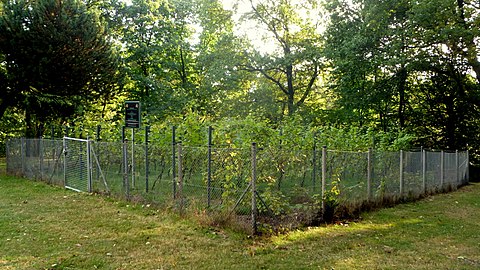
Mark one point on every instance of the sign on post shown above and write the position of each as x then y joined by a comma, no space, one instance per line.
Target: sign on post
132,114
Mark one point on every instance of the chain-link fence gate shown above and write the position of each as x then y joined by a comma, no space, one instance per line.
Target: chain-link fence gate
82,169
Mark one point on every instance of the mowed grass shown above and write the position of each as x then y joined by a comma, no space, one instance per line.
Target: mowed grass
45,227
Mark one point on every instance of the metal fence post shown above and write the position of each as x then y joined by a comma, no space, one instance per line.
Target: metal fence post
23,154
401,174
40,156
180,177
126,183
468,167
89,165
174,166
254,188
97,133
456,169
369,174
147,131
7,154
65,152
424,171
97,150
324,174
442,169
314,163
209,167
133,158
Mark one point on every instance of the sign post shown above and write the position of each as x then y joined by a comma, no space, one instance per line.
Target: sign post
132,120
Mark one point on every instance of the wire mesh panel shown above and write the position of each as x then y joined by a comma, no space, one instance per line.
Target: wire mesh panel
77,164
136,169
288,189
346,178
385,176
194,177
286,185
51,163
450,171
161,170
412,174
31,158
463,168
14,156
230,173
433,172
108,165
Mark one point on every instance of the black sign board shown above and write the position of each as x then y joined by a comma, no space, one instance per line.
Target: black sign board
132,114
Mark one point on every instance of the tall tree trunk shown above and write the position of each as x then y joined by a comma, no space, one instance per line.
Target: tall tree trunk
291,90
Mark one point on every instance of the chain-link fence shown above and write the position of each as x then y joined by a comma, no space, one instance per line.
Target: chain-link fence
272,187
38,159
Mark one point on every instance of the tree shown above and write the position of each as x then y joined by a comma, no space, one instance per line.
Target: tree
407,64
57,59
369,44
295,67
150,43
222,86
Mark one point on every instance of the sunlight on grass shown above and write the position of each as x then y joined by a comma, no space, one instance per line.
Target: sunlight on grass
330,231
44,227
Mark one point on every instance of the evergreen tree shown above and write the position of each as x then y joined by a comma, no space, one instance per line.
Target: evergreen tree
57,59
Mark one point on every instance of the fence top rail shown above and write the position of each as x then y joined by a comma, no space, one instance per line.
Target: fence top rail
75,139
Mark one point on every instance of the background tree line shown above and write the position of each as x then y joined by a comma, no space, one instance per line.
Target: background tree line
396,66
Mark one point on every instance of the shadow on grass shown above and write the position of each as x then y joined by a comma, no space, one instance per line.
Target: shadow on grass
439,232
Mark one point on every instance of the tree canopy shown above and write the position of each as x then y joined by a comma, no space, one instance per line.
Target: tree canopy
56,59
391,66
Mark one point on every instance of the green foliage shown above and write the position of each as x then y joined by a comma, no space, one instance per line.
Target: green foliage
276,201
12,125
291,133
294,66
389,73
57,60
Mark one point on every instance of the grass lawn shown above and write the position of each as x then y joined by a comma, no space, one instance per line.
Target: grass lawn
45,227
